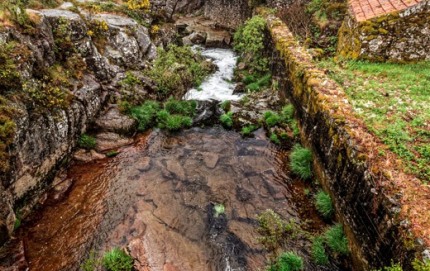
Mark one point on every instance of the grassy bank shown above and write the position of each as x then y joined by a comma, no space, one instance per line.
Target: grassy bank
394,102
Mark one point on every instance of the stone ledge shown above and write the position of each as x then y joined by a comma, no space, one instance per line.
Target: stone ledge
385,211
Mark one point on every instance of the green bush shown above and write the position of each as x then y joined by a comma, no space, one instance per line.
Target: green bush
145,114
318,252
227,120
301,161
248,129
117,260
177,68
288,261
336,239
87,142
249,40
324,204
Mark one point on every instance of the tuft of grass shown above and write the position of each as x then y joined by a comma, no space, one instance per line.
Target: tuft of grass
227,120
91,263
271,118
274,138
324,204
117,260
301,161
287,113
288,261
248,129
145,114
319,255
219,209
176,122
112,153
336,239
87,142
225,105
186,108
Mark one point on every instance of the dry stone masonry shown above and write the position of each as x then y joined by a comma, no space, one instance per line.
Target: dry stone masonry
396,31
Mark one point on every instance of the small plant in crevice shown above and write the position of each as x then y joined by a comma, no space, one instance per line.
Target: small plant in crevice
301,161
18,221
248,129
336,240
324,204
271,118
227,120
274,138
87,142
117,260
318,252
112,153
91,263
219,209
417,265
288,261
225,105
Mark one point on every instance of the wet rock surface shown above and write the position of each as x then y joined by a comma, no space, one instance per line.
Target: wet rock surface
156,199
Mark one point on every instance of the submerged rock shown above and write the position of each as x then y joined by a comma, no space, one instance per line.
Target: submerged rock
109,141
87,156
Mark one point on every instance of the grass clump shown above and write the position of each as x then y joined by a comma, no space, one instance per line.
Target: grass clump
301,161
227,120
186,108
177,69
117,260
319,255
336,239
417,265
288,261
87,142
275,139
248,129
324,204
91,263
271,118
145,114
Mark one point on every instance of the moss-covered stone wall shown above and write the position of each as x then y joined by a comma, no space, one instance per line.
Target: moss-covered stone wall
397,37
376,202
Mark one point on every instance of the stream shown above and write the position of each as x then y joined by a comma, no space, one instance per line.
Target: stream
157,198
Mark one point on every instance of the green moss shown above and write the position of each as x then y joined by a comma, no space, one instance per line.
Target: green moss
87,142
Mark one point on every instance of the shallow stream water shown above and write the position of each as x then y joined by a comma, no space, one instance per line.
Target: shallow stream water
157,199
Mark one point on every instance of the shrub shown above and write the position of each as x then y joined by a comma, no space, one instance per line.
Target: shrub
117,260
318,252
145,114
324,204
336,239
301,161
248,129
87,142
288,261
227,120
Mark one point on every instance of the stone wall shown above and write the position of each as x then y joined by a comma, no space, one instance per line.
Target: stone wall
43,139
397,37
228,13
373,198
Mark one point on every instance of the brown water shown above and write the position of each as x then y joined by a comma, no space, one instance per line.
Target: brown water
157,197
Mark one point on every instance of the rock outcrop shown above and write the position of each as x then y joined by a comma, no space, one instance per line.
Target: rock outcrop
228,13
105,45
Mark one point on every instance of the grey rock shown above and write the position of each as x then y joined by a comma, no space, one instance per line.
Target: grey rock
112,120
108,141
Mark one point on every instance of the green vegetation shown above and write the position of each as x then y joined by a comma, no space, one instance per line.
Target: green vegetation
417,265
177,68
271,118
112,153
319,255
225,105
248,129
336,240
18,221
324,204
274,138
117,260
87,142
219,209
91,263
288,261
301,161
394,101
259,83
173,116
227,120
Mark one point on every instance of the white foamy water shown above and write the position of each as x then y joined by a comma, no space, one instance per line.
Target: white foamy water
217,86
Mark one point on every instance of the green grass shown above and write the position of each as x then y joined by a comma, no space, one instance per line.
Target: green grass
319,255
87,142
287,113
324,204
117,260
336,239
288,261
274,138
145,114
227,120
248,129
301,162
91,263
394,101
271,118
186,108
